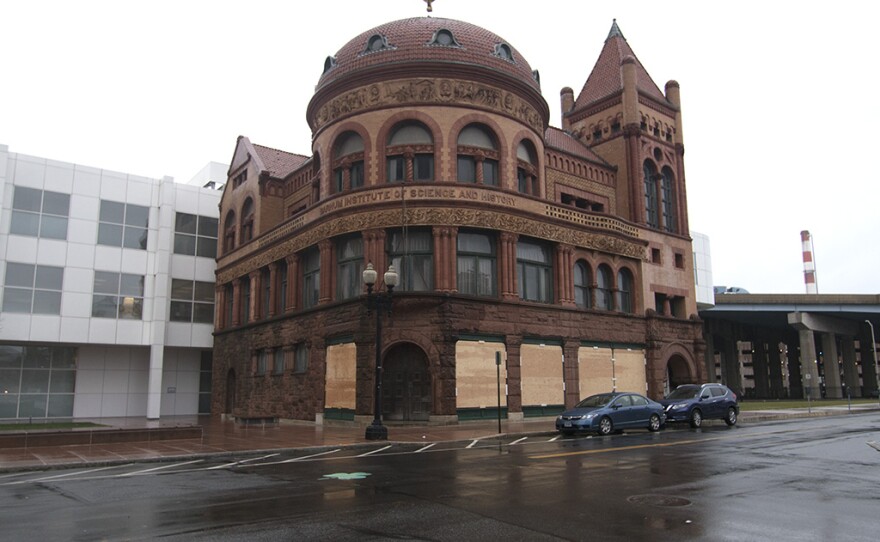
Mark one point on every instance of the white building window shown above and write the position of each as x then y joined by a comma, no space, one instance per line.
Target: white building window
118,295
32,288
123,225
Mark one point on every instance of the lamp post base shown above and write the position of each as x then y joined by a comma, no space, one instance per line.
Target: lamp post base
376,432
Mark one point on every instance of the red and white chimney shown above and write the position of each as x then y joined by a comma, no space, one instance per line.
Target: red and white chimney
809,263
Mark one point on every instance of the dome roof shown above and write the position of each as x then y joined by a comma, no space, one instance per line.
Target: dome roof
427,41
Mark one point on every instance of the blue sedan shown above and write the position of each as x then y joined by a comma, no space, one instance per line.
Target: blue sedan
608,412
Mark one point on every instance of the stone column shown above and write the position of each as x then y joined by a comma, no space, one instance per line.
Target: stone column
253,306
514,378
850,371
293,286
328,272
272,309
507,265
831,366
236,302
809,364
570,374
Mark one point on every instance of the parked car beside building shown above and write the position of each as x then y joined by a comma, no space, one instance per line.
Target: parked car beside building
694,403
608,412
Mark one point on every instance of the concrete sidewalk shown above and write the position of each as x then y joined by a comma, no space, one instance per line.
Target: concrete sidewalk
227,438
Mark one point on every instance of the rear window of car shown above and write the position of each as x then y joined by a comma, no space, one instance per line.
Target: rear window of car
718,392
639,401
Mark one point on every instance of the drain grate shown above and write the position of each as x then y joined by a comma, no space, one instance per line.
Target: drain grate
659,500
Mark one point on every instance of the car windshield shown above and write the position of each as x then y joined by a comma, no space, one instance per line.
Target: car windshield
596,400
683,393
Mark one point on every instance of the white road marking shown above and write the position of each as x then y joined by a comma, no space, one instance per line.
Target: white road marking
58,476
472,444
554,439
374,451
303,458
875,445
517,441
242,462
154,469
425,448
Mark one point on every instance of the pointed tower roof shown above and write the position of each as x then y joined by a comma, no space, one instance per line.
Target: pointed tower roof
606,79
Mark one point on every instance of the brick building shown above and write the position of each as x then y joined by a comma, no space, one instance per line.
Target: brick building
566,250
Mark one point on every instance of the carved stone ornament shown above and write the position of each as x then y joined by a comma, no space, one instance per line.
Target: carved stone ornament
476,218
428,91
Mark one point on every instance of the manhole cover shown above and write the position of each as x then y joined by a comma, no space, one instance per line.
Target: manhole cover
658,500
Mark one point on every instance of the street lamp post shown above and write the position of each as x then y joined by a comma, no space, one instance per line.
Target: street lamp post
378,303
876,368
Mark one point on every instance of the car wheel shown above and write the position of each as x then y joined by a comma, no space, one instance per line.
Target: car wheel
730,419
605,426
696,418
654,423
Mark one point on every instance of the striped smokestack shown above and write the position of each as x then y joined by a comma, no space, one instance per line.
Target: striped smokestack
809,263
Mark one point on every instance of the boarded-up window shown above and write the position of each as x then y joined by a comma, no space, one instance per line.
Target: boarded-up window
341,376
541,375
476,375
596,374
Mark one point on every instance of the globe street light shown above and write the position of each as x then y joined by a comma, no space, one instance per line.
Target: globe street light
379,302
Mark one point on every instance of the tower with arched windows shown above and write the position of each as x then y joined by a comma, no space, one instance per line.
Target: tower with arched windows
564,249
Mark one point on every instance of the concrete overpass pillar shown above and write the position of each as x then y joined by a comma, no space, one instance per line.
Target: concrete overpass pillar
731,368
809,364
709,358
774,366
759,367
850,371
866,356
793,364
830,366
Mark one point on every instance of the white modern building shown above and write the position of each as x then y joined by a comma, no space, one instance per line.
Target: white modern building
107,296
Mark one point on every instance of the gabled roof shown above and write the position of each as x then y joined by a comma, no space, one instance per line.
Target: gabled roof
279,164
555,138
606,78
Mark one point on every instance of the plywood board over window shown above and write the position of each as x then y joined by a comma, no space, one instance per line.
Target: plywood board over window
341,378
476,374
541,375
629,366
596,374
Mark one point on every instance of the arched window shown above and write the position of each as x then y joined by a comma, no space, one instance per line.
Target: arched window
604,300
411,251
624,291
651,214
534,269
409,154
476,257
667,195
247,221
582,281
477,156
348,162
229,232
527,168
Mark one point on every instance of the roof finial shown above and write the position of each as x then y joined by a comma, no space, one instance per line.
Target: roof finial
615,30
430,8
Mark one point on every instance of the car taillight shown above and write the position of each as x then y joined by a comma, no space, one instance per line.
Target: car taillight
734,395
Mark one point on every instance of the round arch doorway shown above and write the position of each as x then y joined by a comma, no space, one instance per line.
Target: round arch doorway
406,384
677,373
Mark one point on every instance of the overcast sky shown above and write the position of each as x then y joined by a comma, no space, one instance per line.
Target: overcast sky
779,100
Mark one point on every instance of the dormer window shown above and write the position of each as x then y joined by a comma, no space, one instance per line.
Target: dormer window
536,76
502,50
376,43
443,38
329,64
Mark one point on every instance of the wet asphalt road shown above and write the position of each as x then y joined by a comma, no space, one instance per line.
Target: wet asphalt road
816,479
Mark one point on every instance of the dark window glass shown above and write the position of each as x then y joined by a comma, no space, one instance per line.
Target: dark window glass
423,167
412,254
311,277
467,169
534,270
396,169
349,267
476,264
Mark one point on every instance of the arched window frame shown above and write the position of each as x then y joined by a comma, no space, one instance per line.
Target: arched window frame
409,160
667,200
527,168
348,162
583,279
229,225
604,288
247,221
477,163
624,294
651,178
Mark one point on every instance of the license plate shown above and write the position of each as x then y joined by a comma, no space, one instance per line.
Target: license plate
567,424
